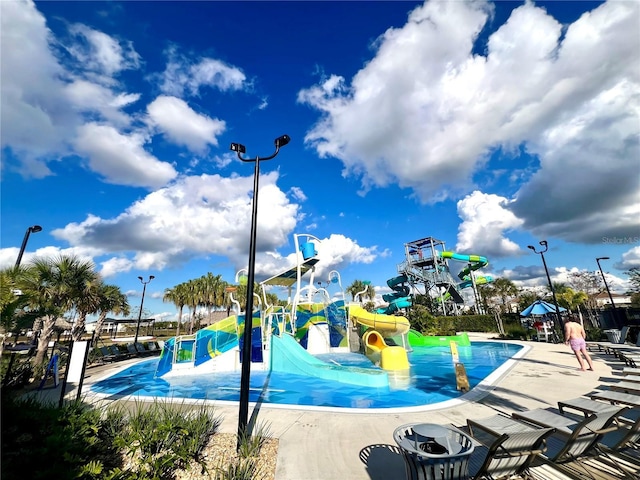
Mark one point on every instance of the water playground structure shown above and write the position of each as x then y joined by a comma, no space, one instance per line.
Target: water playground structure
426,270
317,320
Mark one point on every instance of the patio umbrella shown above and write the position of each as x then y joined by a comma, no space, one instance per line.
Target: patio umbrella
540,307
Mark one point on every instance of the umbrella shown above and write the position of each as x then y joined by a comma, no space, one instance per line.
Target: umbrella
540,307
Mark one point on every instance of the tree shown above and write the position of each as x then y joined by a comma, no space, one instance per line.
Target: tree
86,303
111,300
178,296
54,285
13,299
361,286
502,289
526,298
634,279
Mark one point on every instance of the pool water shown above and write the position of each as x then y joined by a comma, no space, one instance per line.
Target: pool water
432,380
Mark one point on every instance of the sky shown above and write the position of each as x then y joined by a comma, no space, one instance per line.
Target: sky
487,125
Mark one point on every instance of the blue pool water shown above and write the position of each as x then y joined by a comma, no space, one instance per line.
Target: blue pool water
432,381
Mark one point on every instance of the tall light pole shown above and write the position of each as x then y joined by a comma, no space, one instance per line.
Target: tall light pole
243,412
546,270
613,305
30,230
144,289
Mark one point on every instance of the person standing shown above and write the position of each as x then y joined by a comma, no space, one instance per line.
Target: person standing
574,335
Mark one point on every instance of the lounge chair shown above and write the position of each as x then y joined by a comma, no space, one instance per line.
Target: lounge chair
617,397
625,387
625,439
441,455
609,346
108,355
570,446
507,454
630,371
575,447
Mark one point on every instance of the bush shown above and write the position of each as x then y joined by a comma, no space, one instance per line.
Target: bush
78,442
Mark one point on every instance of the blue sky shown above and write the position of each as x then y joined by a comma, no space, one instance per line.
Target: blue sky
489,126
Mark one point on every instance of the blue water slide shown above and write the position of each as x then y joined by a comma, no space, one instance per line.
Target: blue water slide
399,298
288,356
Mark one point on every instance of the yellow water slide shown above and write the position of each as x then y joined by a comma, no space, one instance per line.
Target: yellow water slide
388,357
387,325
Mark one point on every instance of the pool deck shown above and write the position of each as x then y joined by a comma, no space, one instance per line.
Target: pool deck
328,445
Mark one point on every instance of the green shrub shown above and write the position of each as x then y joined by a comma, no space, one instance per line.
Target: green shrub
516,332
79,442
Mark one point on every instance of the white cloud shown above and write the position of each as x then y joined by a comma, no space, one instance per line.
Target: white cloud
485,219
298,194
32,95
181,74
427,111
115,265
89,97
631,258
207,214
334,253
101,53
120,158
183,126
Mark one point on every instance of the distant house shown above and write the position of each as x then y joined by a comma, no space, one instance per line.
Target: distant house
603,300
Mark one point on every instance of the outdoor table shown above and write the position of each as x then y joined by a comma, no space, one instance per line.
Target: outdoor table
434,452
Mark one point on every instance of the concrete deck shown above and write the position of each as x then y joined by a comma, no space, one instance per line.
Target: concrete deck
331,445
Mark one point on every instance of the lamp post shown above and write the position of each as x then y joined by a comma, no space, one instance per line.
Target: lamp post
243,412
30,230
613,305
144,289
546,270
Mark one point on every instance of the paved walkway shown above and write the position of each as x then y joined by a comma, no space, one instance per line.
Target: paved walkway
321,445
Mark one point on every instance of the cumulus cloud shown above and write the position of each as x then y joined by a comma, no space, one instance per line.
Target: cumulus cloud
120,158
32,93
485,219
426,112
182,125
206,214
184,76
89,97
630,259
101,53
334,253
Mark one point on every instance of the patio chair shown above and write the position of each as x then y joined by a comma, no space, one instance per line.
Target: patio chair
628,399
510,454
625,439
608,346
575,447
434,452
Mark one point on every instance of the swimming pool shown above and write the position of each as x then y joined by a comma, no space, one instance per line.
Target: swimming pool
432,381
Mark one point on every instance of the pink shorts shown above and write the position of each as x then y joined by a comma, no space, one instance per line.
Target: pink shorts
577,344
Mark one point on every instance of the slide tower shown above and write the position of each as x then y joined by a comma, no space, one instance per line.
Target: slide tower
426,267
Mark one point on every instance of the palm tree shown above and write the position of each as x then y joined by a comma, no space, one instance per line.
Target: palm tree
178,296
13,299
193,299
358,286
111,300
86,303
54,285
503,289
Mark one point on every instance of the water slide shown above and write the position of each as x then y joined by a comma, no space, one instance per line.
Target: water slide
399,298
387,325
475,262
208,343
416,339
382,326
288,356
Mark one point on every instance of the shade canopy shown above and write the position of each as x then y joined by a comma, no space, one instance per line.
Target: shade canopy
540,307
